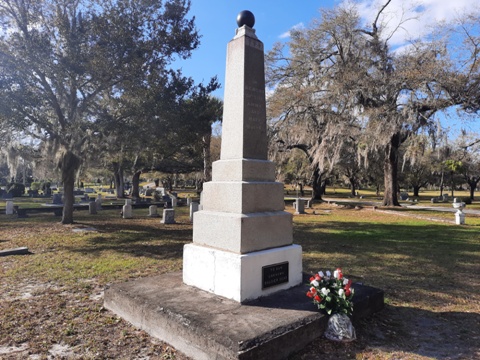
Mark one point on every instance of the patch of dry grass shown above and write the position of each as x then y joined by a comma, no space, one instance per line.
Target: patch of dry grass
51,301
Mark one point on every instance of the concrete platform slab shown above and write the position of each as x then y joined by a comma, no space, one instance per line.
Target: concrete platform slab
206,326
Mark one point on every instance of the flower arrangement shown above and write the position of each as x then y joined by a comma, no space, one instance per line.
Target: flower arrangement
331,293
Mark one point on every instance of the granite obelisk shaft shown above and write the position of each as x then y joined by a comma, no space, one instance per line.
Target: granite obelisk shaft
243,228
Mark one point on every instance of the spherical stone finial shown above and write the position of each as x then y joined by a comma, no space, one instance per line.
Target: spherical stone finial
245,17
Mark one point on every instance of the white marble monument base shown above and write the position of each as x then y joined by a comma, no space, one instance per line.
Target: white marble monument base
238,276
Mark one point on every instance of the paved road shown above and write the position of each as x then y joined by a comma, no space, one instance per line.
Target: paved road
444,209
413,207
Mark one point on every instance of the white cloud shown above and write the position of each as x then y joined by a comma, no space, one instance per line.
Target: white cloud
286,34
413,19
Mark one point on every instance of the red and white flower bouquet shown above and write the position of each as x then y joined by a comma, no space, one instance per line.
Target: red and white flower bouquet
333,293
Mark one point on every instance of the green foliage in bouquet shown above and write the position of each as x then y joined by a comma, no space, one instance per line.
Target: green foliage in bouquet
331,292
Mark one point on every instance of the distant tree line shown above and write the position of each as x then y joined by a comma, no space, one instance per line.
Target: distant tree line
359,109
89,83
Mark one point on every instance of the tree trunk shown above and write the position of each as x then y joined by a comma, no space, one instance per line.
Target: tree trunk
317,189
441,184
207,158
323,188
118,179
452,181
353,187
136,184
416,190
472,184
390,172
69,163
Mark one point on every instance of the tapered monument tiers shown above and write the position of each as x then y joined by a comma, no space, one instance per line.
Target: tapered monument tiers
242,239
242,247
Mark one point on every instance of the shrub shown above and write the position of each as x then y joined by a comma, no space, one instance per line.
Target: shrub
16,189
35,186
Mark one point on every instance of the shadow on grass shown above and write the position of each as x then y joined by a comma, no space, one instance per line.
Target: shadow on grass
437,335
138,240
441,244
404,333
429,264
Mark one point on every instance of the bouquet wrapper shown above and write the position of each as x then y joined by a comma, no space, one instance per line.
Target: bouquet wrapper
340,328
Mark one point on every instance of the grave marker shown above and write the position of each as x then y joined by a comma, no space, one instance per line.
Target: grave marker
92,207
98,202
152,211
193,209
242,248
168,216
299,206
234,240
127,209
9,207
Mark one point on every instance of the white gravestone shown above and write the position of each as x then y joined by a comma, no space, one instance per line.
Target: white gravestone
174,200
243,248
152,211
127,209
459,215
189,201
92,208
168,216
193,210
9,207
98,202
299,206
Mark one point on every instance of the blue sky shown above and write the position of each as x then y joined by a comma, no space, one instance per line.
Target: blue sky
216,22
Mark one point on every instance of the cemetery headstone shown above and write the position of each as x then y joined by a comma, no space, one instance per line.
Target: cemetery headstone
459,215
243,247
168,216
299,206
9,207
127,212
152,211
98,202
193,209
92,208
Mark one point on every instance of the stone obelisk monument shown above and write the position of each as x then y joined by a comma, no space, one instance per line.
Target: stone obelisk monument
242,246
242,239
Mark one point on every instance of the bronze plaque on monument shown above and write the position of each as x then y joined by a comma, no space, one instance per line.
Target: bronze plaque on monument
275,274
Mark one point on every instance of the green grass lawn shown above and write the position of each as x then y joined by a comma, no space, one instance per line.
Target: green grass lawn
428,270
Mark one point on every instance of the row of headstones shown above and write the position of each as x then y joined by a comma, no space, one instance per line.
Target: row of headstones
444,198
168,213
96,205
